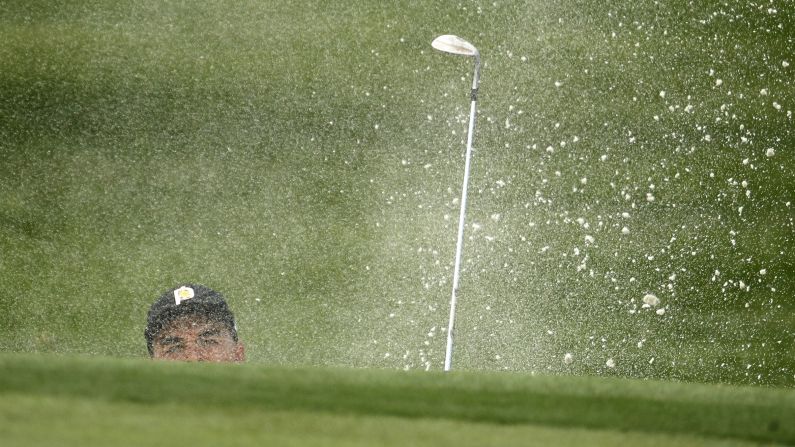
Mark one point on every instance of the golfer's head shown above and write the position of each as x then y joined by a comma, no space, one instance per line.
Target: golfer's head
192,323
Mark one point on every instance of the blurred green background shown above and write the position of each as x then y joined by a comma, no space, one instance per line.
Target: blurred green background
306,161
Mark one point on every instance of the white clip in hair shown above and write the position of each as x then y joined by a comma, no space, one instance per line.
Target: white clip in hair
182,294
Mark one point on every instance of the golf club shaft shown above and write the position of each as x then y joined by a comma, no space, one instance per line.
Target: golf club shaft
448,357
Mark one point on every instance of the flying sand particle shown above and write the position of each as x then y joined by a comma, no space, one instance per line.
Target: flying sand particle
651,299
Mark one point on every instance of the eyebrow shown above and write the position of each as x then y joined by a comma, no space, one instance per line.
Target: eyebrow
171,340
210,332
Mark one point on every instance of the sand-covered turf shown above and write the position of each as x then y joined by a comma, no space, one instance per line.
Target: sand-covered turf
305,159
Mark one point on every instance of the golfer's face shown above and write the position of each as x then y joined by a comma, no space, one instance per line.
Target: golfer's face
194,339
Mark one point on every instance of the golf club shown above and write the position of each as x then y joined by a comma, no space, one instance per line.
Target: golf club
456,45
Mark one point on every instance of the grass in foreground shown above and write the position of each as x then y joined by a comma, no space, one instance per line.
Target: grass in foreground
89,401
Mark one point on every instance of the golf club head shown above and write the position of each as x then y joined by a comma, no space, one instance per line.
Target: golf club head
454,45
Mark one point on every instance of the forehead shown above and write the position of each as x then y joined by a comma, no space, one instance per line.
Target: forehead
188,326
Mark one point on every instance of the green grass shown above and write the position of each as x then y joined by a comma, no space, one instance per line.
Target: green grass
96,401
306,161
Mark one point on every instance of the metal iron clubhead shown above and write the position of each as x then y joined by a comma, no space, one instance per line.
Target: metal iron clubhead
454,45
